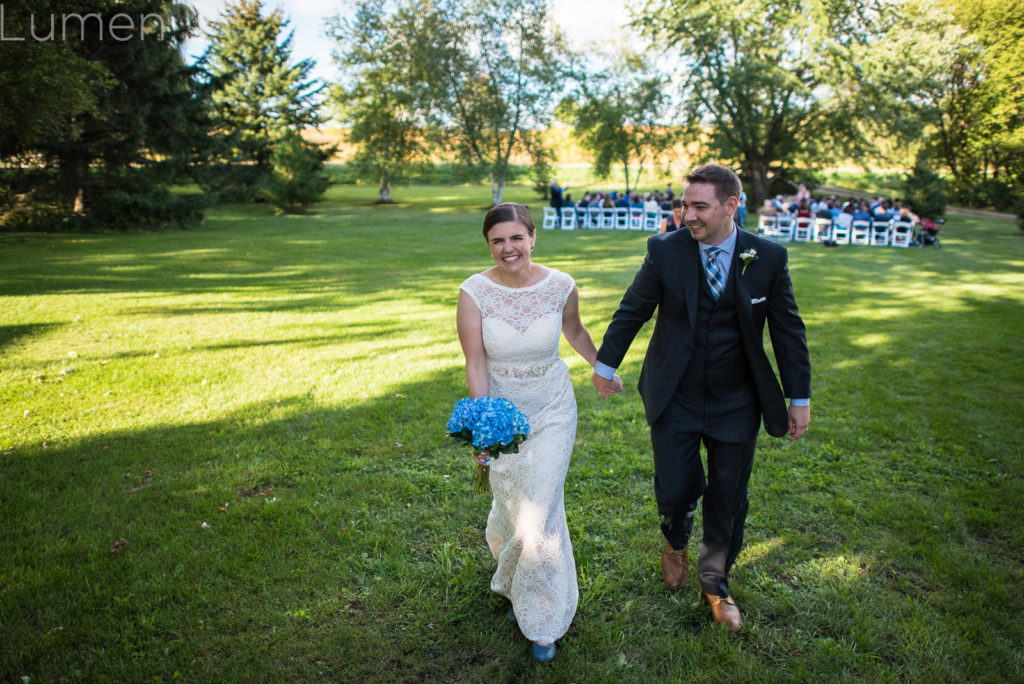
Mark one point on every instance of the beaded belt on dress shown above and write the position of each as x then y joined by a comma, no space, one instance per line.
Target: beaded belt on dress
516,371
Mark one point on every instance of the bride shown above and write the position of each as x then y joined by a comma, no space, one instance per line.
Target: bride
510,318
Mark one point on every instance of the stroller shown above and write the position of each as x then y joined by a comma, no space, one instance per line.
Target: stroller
928,235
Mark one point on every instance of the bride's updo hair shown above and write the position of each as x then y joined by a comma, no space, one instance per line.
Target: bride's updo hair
508,212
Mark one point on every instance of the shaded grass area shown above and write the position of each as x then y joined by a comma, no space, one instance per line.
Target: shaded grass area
285,380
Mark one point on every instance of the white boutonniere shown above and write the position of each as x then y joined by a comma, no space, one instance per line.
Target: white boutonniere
747,257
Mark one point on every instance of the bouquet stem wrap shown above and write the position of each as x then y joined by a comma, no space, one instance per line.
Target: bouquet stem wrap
489,425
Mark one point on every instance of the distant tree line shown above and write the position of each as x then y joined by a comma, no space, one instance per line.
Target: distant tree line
776,88
102,132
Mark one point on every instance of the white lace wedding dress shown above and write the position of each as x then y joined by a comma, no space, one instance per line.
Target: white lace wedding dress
526,528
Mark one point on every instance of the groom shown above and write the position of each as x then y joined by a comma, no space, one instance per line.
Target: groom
706,377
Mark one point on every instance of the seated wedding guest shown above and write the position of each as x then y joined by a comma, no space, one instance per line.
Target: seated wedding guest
768,209
651,205
622,201
567,201
862,213
824,210
803,209
635,201
845,218
907,215
609,203
675,221
883,212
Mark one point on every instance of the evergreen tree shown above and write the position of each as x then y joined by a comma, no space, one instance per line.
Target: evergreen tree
143,127
298,178
46,83
258,93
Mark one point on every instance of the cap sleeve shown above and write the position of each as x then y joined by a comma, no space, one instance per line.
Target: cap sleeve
565,284
471,286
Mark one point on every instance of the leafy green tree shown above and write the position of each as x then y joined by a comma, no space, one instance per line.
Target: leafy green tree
621,114
258,92
981,118
493,68
776,81
383,90
298,178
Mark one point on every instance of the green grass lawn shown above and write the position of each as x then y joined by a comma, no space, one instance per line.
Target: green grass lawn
223,459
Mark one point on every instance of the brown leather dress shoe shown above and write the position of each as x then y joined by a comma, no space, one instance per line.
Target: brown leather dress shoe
724,611
674,566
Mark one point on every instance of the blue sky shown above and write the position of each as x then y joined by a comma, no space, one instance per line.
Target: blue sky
584,22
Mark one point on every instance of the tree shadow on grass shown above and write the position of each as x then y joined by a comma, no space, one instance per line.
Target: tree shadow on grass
11,334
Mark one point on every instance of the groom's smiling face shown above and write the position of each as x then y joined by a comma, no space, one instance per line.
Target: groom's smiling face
708,219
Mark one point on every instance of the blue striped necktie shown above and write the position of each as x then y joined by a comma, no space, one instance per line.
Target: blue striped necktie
714,274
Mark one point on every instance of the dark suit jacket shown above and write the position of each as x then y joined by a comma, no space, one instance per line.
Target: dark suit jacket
669,281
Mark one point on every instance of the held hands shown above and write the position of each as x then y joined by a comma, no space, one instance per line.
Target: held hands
607,387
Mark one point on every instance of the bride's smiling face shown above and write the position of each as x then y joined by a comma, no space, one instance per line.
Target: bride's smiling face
510,244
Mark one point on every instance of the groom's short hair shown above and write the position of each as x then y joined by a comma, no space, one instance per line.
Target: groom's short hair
508,212
726,182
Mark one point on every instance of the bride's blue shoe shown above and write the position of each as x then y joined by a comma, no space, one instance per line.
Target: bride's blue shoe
512,615
544,654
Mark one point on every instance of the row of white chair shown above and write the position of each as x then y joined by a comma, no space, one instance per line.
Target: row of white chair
871,233
616,218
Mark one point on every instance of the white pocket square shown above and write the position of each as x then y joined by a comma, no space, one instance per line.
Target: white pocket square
758,300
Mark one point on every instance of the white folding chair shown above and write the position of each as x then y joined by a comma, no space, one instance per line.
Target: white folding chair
652,220
550,218
880,233
594,217
802,231
621,218
581,217
860,233
766,225
841,233
902,233
783,229
636,219
568,218
822,229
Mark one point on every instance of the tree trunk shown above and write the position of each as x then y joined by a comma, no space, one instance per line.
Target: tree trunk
497,188
79,207
758,172
384,193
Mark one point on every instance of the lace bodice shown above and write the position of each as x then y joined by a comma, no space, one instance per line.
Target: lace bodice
535,312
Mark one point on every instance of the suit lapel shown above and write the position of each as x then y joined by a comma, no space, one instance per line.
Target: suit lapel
743,307
692,273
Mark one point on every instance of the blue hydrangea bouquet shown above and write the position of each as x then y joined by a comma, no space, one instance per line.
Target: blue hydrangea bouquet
487,424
